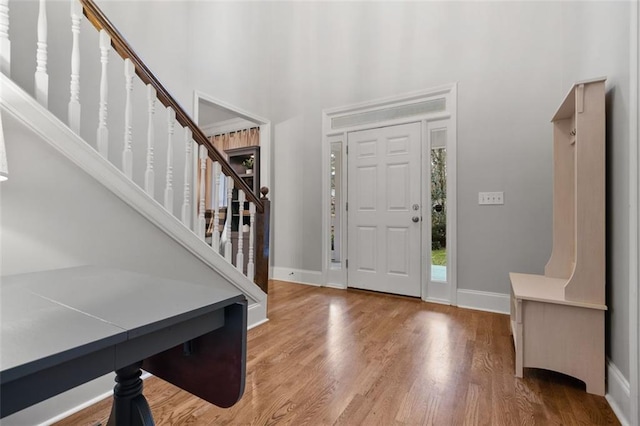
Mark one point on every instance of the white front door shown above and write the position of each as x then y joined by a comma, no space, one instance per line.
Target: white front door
384,212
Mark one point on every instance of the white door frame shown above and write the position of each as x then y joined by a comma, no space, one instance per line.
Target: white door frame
266,159
634,214
266,151
437,292
336,126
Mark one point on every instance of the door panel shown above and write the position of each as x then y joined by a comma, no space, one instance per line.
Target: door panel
366,249
398,246
438,254
397,185
383,186
366,193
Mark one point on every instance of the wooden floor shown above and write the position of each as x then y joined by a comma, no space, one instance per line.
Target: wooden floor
356,358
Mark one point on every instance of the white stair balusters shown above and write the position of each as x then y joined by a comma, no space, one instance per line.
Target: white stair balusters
74,85
240,254
250,263
168,189
228,219
5,43
215,235
103,131
41,76
195,190
149,173
201,228
127,152
186,199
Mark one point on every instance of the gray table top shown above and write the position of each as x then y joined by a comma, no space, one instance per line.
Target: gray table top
37,333
49,317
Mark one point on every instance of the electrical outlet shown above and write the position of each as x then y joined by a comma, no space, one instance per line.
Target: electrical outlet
489,198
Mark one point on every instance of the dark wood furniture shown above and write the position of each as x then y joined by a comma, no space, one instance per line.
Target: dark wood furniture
251,177
64,327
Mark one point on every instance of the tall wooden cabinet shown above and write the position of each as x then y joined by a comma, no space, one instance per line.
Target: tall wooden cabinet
557,319
239,158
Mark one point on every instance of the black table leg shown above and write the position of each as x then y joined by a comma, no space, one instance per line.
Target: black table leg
130,408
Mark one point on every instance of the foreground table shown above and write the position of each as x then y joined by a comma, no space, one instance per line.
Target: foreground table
62,328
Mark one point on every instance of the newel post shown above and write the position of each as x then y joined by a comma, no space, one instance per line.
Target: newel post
262,242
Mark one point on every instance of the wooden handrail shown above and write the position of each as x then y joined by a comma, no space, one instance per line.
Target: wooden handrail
263,230
120,45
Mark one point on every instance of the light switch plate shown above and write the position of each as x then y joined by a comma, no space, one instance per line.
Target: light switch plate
490,198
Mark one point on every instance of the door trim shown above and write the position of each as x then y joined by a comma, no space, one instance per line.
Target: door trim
634,215
337,277
451,212
264,124
266,151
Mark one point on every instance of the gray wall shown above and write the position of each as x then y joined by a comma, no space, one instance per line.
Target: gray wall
288,61
508,74
230,58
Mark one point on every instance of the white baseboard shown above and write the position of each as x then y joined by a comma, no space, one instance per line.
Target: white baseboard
80,407
301,276
618,393
63,405
257,314
484,301
145,375
438,292
436,300
336,286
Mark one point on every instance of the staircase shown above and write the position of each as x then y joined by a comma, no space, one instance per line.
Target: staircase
106,168
149,154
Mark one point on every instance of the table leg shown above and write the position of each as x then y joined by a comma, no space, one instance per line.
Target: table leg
130,408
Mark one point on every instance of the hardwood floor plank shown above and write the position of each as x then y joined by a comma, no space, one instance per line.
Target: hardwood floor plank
353,357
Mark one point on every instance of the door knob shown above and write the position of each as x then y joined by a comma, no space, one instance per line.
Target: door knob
415,219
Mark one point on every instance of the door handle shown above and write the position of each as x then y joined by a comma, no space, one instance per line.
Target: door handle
415,219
